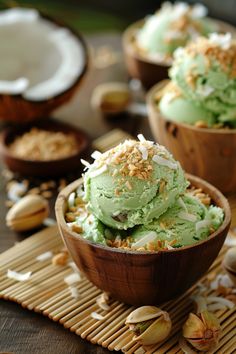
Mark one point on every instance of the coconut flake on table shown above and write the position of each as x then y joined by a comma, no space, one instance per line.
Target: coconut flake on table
74,292
44,256
11,274
149,237
97,316
220,300
74,267
72,278
55,44
224,41
221,280
186,216
98,171
16,190
164,162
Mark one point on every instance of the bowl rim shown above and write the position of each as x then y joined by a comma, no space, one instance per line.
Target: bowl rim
128,36
63,196
80,39
20,130
154,107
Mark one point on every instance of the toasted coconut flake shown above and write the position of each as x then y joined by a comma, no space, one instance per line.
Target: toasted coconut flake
74,292
72,278
201,224
220,300
102,302
18,276
96,154
164,162
187,216
143,151
97,316
44,256
151,236
141,138
98,172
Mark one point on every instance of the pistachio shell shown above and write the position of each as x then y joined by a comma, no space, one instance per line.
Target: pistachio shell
202,331
229,263
28,213
143,313
156,332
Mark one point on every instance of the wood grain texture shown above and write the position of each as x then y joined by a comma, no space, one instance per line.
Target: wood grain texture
143,278
207,153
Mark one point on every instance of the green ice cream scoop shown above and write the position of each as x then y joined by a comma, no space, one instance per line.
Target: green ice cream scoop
185,223
173,26
133,183
205,73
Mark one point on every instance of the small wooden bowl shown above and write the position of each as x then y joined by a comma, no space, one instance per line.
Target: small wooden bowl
143,278
145,69
36,168
207,153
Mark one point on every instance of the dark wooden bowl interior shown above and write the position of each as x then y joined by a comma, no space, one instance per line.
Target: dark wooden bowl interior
51,168
207,153
142,278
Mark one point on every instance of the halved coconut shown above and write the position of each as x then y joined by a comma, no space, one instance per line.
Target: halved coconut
41,64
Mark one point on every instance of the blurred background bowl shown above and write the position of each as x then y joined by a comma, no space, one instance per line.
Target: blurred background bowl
49,168
206,152
143,278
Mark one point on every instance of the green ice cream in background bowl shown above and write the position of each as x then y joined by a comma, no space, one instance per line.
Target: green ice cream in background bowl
172,26
136,196
194,113
149,44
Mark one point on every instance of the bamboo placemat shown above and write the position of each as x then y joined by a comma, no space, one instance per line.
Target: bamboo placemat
47,293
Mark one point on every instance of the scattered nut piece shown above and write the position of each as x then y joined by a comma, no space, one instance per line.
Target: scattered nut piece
60,259
201,124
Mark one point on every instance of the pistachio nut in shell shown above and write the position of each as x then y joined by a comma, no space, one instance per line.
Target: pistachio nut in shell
202,330
149,324
28,213
229,263
111,97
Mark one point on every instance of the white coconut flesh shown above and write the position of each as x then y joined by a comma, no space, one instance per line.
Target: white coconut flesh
38,58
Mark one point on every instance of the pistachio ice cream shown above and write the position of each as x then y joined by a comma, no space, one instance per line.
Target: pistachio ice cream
136,196
203,83
171,27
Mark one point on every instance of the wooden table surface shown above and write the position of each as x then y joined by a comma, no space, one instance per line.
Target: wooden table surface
22,331
25,332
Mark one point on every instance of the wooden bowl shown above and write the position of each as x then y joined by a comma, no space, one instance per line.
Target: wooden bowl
207,153
145,69
36,168
142,278
16,108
